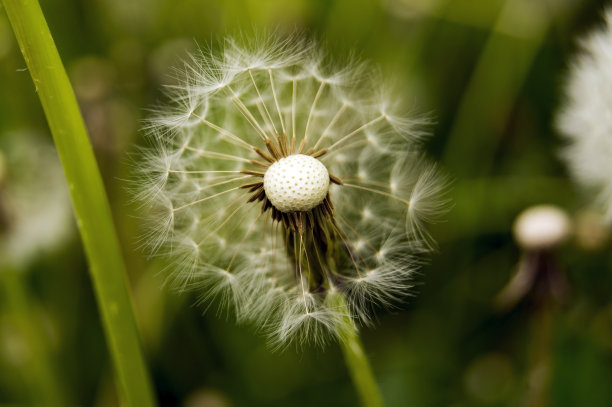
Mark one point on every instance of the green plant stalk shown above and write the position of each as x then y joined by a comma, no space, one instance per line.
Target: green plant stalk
89,199
45,384
356,359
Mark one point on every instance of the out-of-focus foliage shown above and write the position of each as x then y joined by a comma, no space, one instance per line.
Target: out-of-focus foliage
487,71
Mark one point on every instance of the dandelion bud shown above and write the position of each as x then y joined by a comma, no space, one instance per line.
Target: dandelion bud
278,183
541,227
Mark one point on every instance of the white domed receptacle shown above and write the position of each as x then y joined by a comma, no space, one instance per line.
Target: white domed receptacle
296,183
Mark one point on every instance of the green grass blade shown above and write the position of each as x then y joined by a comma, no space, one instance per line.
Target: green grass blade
88,197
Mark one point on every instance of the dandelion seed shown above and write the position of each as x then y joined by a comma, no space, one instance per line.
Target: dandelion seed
314,188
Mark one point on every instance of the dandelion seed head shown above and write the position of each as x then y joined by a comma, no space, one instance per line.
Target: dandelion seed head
35,209
585,118
279,184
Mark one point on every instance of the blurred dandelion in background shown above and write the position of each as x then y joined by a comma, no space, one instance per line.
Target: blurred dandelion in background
35,210
538,230
280,182
585,120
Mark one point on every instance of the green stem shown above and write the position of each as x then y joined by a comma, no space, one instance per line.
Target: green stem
88,197
540,357
357,361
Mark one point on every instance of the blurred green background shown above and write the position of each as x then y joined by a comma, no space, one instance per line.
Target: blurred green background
489,73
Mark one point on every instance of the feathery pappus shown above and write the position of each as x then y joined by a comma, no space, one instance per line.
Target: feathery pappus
281,182
585,118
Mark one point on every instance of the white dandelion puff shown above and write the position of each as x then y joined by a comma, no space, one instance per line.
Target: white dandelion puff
279,183
35,210
585,119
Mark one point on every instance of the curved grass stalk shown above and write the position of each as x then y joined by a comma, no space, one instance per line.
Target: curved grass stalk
89,199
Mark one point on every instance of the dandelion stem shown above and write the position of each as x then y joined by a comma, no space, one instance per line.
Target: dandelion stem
88,197
355,357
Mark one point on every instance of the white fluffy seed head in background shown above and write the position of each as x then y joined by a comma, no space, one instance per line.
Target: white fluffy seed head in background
278,178
35,209
585,118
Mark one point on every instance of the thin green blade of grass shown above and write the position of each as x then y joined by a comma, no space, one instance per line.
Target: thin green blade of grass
89,199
